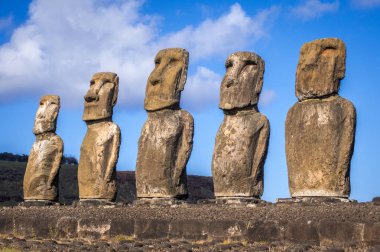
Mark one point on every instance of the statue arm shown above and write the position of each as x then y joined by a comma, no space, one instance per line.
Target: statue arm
56,164
185,146
113,154
347,139
260,152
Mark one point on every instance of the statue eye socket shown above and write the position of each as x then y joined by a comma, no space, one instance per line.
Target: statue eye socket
173,60
92,82
250,62
157,61
229,64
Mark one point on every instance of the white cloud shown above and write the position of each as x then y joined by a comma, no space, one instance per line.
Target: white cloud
267,96
202,89
310,9
64,42
366,4
232,31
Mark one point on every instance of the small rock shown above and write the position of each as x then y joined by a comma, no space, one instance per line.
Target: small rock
375,249
376,201
334,250
262,248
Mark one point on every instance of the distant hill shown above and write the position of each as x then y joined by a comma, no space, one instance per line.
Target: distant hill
7,156
12,174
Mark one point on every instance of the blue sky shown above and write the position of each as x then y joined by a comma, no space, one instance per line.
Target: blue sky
54,47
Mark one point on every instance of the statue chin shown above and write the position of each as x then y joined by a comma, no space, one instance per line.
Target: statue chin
157,103
43,126
92,113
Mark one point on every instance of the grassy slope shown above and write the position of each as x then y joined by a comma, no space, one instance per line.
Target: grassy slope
12,175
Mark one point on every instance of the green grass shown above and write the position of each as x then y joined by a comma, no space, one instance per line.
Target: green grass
12,165
9,250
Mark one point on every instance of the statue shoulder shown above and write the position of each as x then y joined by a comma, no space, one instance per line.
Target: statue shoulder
186,117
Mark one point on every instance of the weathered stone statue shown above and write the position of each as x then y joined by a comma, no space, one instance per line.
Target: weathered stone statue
41,175
242,140
320,127
100,147
167,136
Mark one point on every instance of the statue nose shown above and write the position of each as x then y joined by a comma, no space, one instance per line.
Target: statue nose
229,83
90,96
155,81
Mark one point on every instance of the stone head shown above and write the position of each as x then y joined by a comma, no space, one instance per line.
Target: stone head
243,81
47,113
101,97
321,66
167,79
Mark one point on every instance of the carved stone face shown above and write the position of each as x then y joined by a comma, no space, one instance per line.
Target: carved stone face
101,97
47,113
243,81
321,66
167,79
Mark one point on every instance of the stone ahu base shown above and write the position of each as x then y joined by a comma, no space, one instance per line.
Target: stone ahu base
158,202
314,200
193,227
233,201
95,203
30,203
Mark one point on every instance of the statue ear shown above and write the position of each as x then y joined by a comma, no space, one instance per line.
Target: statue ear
260,81
57,100
115,90
182,81
340,66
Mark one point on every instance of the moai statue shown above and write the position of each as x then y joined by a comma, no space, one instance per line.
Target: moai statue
100,147
166,139
41,175
242,140
320,127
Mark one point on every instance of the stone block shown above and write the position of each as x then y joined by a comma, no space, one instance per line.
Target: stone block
6,225
122,227
151,229
263,231
226,230
37,227
302,232
188,229
67,228
334,232
93,228
371,234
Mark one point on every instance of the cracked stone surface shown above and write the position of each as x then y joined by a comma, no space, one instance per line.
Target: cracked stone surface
166,139
242,140
320,128
100,147
41,175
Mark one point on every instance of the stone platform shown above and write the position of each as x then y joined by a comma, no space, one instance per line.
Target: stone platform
203,227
